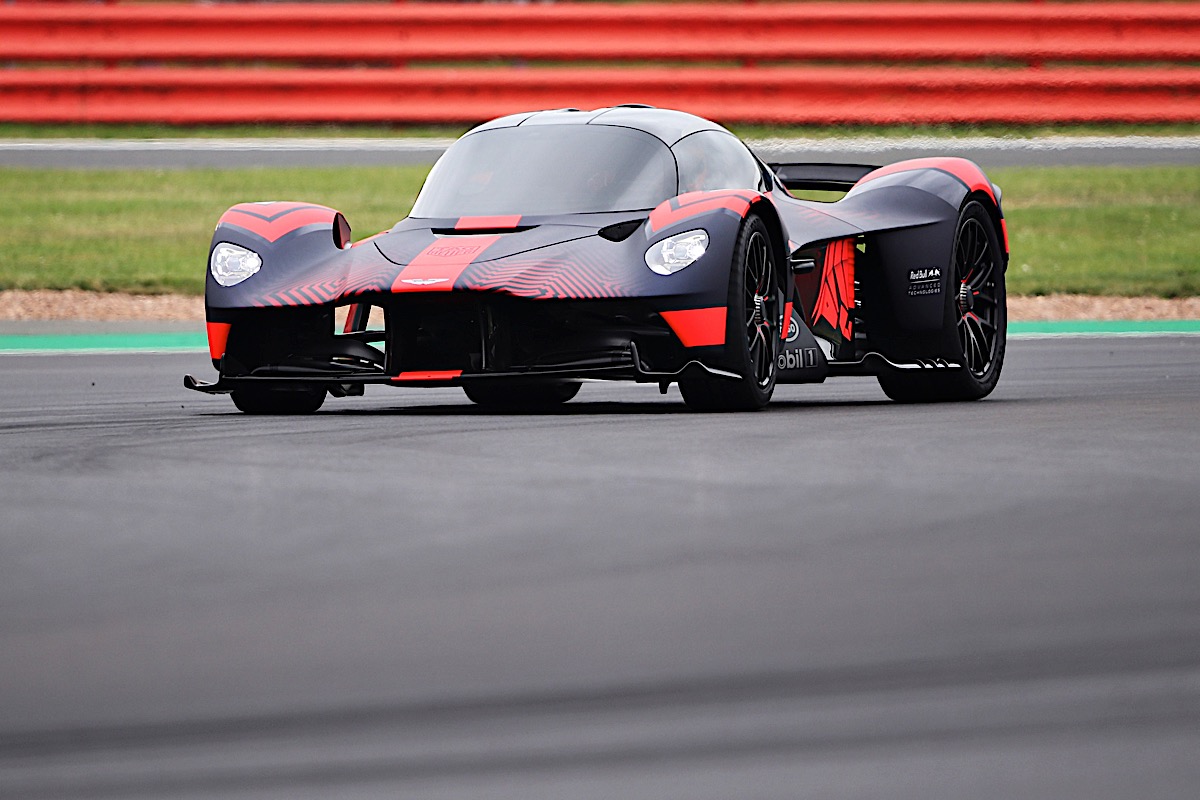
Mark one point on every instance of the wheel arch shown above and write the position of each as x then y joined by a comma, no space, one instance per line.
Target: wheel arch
770,217
991,204
297,246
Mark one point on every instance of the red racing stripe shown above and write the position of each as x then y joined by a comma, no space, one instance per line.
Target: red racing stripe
697,327
787,320
273,221
437,267
693,203
483,223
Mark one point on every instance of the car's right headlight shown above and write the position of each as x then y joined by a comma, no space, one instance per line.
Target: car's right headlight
676,252
231,264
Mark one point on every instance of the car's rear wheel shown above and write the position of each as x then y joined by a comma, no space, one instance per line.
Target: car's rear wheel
751,332
975,320
278,401
504,396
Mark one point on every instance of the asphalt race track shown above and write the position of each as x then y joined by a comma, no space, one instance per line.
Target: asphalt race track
405,597
989,151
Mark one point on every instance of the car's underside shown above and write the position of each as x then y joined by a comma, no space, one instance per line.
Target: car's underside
454,338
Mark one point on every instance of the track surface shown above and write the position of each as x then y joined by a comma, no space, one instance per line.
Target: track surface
405,597
242,153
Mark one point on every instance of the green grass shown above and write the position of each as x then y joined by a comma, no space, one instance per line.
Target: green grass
1103,230
149,231
1095,230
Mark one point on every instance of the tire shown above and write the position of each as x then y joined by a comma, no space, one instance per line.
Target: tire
752,329
974,324
278,401
521,396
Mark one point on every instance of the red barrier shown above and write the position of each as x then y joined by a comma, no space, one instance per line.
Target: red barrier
767,94
262,57
874,32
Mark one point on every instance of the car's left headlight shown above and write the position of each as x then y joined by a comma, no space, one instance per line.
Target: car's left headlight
676,252
231,264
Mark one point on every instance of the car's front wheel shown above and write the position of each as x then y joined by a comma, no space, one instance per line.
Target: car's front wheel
751,329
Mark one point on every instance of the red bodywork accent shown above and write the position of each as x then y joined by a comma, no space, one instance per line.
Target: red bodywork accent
484,223
1004,230
835,299
693,203
698,327
273,221
218,337
441,263
960,168
357,317
428,375
787,320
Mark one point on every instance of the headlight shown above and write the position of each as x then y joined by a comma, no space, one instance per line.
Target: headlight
676,252
231,264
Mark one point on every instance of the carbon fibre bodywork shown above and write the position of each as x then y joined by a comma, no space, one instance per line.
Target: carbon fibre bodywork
570,296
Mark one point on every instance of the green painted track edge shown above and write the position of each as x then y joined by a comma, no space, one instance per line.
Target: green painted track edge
103,343
11,344
1114,327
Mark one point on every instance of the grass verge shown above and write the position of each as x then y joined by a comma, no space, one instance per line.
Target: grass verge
1128,231
1090,230
148,231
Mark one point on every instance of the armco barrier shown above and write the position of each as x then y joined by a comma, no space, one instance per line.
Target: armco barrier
875,32
767,94
784,63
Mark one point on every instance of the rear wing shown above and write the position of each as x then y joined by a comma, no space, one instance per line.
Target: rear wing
824,177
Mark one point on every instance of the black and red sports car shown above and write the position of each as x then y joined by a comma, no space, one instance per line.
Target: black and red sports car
630,243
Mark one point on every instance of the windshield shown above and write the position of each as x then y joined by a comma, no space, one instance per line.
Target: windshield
551,169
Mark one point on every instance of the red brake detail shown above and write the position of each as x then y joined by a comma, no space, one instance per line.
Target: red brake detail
484,223
698,327
428,375
218,337
437,267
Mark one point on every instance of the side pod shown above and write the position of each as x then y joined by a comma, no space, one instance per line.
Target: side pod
909,255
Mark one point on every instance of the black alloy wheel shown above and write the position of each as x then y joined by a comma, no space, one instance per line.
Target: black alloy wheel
975,271
758,310
755,304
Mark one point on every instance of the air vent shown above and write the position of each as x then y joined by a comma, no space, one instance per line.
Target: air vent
621,230
480,231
